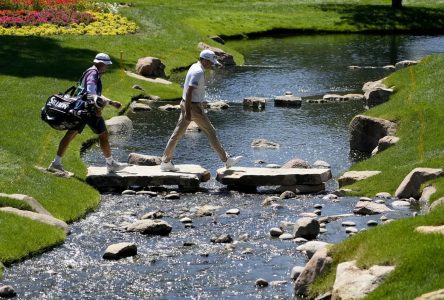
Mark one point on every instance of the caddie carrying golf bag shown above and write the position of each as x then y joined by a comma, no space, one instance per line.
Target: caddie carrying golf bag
67,110
64,111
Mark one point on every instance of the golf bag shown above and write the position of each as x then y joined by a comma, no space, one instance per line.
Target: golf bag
65,111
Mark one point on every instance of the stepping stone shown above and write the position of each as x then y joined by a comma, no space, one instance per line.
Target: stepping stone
187,178
255,103
288,100
241,177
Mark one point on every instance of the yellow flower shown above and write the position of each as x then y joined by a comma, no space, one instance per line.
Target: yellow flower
104,24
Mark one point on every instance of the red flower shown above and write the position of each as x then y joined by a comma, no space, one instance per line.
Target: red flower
52,16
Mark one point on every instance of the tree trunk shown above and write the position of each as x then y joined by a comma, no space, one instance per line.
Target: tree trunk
396,4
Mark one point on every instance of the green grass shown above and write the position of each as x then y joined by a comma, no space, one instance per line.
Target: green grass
17,237
6,202
32,68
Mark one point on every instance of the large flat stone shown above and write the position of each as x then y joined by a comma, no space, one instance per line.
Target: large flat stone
253,177
187,178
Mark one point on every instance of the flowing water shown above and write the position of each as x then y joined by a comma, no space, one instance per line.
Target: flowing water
166,267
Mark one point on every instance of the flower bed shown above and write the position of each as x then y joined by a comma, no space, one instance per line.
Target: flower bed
51,17
41,4
9,18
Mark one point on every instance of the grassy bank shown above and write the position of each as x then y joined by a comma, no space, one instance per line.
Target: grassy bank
416,107
32,68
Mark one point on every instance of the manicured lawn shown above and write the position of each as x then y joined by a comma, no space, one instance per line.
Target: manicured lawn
32,68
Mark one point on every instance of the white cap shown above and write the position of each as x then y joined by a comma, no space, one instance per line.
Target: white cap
209,55
103,58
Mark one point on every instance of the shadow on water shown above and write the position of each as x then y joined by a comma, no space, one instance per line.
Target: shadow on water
41,56
369,17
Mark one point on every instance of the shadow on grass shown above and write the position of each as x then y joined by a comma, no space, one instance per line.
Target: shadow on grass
382,17
42,56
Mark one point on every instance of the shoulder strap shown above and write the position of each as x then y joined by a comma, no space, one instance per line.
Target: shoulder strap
87,72
80,89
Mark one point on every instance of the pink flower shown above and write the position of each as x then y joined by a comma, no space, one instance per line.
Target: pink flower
52,16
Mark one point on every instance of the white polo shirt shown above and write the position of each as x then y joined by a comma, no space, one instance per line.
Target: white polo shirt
195,77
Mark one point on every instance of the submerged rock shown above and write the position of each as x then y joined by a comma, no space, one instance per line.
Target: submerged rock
206,210
157,214
223,238
263,143
261,282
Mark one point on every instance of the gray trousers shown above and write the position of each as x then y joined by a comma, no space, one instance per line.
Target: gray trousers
199,116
